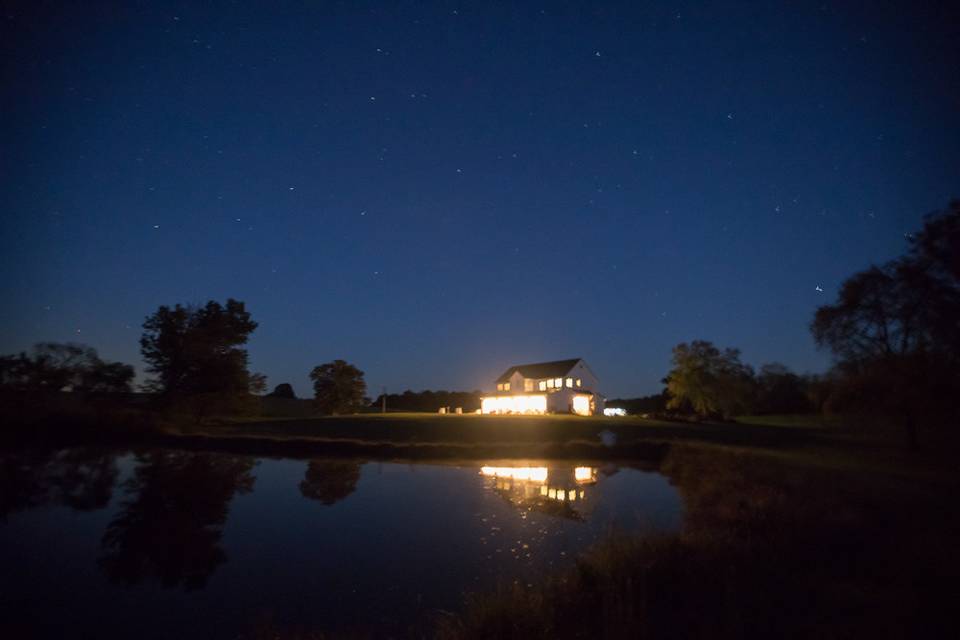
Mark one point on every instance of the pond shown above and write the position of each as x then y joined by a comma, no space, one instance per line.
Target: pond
164,543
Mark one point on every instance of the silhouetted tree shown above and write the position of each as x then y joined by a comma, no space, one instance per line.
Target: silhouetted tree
329,481
430,401
169,528
779,390
196,355
257,384
338,387
283,390
709,381
52,366
894,331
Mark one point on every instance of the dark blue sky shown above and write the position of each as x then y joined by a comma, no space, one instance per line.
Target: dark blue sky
435,191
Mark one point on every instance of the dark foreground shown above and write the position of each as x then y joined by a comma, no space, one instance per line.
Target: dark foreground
285,530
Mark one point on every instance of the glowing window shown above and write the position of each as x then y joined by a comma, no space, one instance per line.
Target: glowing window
527,384
543,385
571,495
514,404
558,382
581,405
506,386
569,382
579,382
550,383
499,387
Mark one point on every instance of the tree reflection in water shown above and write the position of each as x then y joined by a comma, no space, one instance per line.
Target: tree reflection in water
170,526
329,481
81,479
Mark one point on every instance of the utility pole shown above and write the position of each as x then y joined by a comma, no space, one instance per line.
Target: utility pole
383,400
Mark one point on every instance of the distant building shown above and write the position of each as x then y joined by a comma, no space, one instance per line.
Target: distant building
562,386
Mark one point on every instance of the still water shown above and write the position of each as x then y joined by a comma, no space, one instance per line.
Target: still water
167,543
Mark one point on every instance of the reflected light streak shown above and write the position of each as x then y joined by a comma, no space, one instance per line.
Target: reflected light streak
533,474
584,474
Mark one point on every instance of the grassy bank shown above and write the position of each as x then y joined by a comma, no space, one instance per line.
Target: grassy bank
767,549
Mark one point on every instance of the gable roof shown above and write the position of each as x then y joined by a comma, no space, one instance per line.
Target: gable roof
555,369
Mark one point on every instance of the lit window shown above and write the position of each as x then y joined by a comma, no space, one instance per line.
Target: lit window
543,385
569,382
527,384
581,405
571,495
550,383
506,386
558,383
499,387
579,382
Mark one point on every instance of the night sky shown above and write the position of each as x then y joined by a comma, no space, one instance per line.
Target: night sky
435,191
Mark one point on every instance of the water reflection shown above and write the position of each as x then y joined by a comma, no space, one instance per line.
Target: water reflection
170,525
558,490
329,481
81,479
381,555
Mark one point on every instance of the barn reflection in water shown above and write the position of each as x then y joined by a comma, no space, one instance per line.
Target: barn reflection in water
563,491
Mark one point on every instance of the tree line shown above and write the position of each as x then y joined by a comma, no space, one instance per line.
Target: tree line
429,401
894,333
197,361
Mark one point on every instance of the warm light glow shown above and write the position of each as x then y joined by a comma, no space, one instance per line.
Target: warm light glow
550,383
614,411
539,476
569,383
558,382
514,404
579,382
528,384
532,474
543,385
506,386
581,405
583,474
